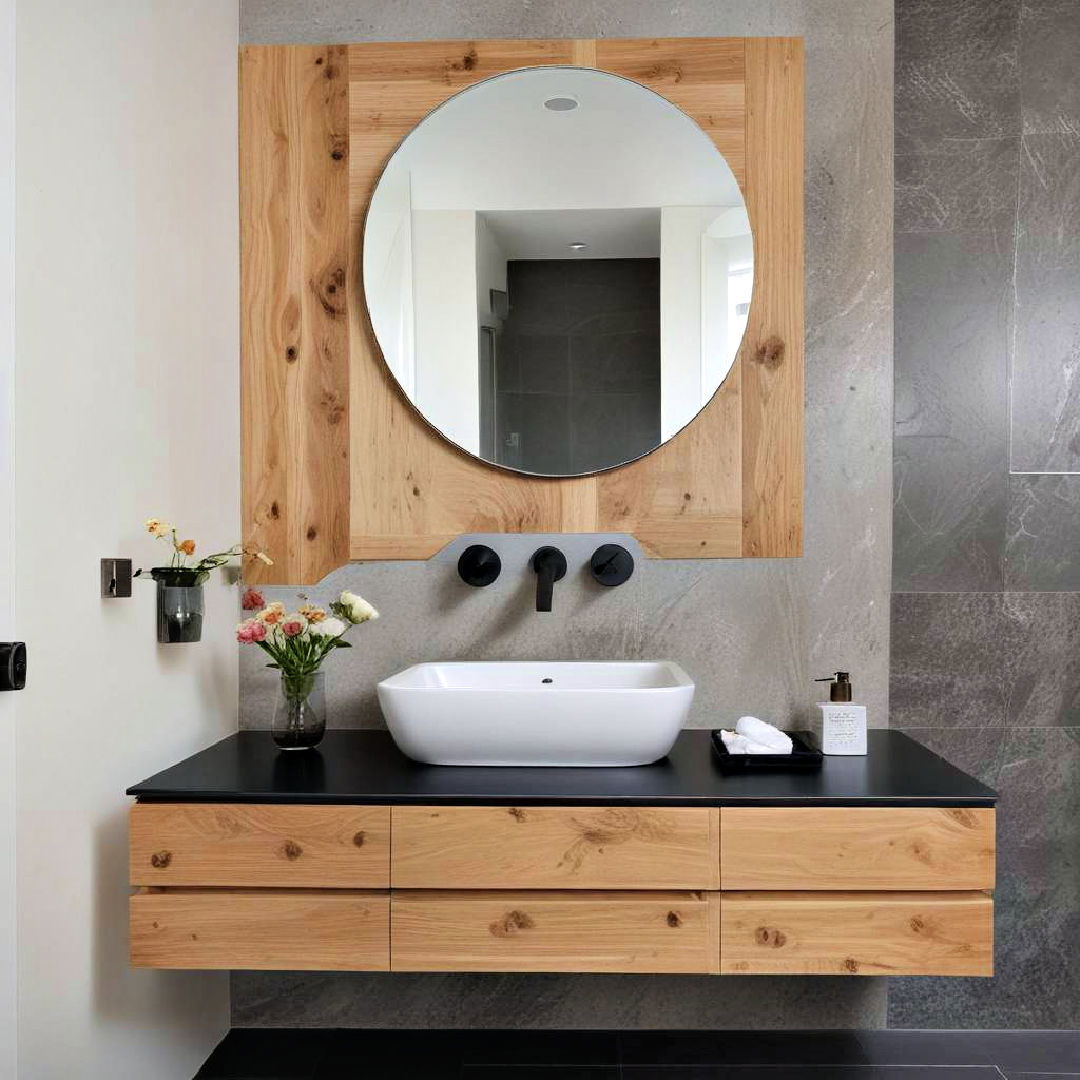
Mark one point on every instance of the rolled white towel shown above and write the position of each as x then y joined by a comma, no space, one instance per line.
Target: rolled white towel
740,744
777,741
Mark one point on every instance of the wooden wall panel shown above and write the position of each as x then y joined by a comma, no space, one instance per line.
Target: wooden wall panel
295,239
728,485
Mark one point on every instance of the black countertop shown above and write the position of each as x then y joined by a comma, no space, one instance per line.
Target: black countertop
366,767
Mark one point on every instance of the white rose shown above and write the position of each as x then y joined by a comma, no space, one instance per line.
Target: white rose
357,608
327,628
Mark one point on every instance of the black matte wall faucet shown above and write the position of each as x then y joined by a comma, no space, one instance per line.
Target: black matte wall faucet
549,564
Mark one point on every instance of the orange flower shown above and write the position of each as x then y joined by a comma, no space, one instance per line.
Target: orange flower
312,613
186,547
273,614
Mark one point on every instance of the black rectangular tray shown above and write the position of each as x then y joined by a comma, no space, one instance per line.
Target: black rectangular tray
803,757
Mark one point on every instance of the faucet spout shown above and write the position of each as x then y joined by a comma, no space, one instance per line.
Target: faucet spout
549,565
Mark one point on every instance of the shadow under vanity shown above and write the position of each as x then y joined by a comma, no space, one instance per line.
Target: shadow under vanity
354,857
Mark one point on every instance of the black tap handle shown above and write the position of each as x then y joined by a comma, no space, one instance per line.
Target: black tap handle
611,564
479,565
549,565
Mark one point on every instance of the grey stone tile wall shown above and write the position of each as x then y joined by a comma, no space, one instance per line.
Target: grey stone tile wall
751,633
986,608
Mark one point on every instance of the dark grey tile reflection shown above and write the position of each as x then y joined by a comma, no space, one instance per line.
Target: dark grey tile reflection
1042,547
810,1072
956,70
543,362
617,362
950,448
534,430
611,428
1045,382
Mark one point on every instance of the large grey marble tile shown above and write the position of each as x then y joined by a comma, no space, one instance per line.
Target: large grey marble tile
948,660
1042,546
959,187
1046,365
956,70
1042,659
950,449
325,999
1049,44
1037,902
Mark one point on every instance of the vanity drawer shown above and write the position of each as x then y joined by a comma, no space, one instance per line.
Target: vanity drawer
792,933
272,929
338,847
554,931
856,848
554,847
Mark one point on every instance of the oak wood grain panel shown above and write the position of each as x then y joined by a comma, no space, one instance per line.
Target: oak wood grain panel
286,930
856,933
728,485
343,847
554,931
772,847
294,247
772,389
554,847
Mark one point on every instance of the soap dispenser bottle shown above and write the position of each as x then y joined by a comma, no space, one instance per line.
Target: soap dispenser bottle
843,725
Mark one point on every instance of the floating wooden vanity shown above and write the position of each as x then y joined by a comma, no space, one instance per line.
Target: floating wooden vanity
355,858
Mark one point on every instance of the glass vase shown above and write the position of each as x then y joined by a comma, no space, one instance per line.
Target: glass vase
179,604
300,713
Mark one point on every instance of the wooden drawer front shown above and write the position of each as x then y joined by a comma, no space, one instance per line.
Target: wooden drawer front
554,847
856,934
288,930
856,848
338,847
554,931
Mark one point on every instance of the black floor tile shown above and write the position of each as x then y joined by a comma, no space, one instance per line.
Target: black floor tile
392,1055
810,1072
1031,1051
541,1048
540,1072
742,1048
266,1054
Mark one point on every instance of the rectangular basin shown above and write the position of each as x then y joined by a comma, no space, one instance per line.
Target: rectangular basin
537,713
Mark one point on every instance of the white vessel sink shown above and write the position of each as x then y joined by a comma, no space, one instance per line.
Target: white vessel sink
510,713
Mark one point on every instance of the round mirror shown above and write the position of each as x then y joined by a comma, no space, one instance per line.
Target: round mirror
558,267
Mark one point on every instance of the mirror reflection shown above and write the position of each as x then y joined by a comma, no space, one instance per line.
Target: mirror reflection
558,268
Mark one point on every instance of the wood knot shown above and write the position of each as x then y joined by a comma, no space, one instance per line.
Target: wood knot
917,924
963,817
770,353
511,923
339,149
291,354
291,850
851,965
770,938
415,490
674,919
160,859
312,532
275,511
467,63
516,813
332,407
358,838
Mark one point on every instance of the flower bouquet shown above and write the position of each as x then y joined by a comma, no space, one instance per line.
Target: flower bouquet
179,584
297,644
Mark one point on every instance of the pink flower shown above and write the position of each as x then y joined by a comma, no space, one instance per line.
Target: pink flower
293,626
251,631
252,600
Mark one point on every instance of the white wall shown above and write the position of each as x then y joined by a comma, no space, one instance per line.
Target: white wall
8,630
447,336
490,273
127,406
